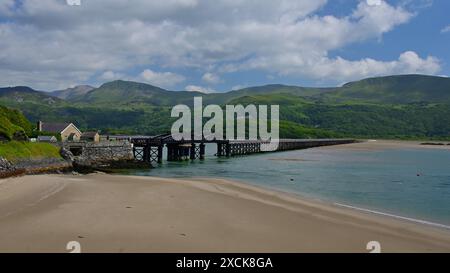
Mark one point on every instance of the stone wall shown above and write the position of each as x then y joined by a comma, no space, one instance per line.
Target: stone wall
102,154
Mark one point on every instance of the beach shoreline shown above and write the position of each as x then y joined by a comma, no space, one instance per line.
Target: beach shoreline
379,144
115,213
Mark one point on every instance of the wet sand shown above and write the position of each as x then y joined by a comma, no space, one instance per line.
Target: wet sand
108,213
374,145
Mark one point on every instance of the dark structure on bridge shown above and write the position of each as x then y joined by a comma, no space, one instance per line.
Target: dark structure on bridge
150,149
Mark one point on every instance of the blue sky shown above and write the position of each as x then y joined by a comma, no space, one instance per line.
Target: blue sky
216,46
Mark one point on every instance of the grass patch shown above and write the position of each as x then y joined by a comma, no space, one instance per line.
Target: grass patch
15,150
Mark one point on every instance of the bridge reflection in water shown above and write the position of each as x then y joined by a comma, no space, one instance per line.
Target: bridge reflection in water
150,148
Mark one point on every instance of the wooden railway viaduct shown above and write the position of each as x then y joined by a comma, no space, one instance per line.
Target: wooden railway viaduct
150,148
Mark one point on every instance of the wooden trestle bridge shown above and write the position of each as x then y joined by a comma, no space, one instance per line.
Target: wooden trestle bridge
150,148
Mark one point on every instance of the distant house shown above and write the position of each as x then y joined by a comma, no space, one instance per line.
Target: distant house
67,131
46,139
90,136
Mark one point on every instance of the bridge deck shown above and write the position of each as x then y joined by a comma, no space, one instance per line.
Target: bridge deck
150,148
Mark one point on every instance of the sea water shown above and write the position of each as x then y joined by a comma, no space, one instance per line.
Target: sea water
408,182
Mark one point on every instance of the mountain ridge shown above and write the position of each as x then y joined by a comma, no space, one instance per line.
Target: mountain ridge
396,89
72,92
378,111
401,89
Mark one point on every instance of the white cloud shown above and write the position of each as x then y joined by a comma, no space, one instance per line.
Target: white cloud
342,70
162,79
64,44
211,78
111,76
201,89
374,2
445,29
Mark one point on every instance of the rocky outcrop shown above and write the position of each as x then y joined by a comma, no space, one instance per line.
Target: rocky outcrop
67,155
5,165
33,166
7,169
44,165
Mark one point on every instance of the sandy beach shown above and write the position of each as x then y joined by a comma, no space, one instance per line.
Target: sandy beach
108,213
375,145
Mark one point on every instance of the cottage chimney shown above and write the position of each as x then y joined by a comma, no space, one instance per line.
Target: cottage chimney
39,126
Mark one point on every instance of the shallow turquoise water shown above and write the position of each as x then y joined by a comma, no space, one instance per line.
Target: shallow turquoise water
383,180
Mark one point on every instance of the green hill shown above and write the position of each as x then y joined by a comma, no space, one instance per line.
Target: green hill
407,106
22,95
404,121
228,97
15,151
401,89
134,94
11,122
72,93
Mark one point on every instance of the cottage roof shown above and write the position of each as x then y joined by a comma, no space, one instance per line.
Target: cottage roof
54,127
46,138
89,134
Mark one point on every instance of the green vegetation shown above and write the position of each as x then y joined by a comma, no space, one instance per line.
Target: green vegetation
401,89
12,122
132,94
290,129
16,150
7,129
408,121
72,93
405,107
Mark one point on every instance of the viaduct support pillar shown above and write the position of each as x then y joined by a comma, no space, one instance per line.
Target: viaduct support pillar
160,154
170,152
219,150
228,149
147,155
192,151
202,151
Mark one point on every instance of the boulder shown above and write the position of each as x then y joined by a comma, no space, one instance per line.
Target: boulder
67,154
5,165
7,169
